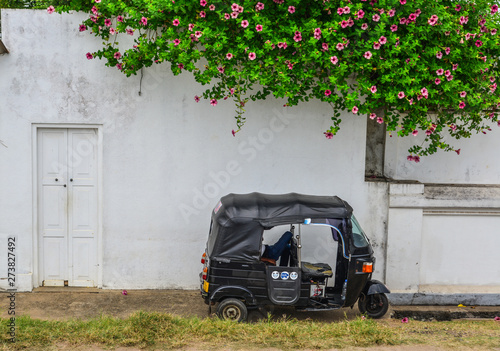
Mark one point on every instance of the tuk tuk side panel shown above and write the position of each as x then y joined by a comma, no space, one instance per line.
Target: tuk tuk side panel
250,276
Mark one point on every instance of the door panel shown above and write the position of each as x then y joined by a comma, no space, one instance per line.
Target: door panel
67,160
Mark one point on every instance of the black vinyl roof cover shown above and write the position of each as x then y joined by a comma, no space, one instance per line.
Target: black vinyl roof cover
238,220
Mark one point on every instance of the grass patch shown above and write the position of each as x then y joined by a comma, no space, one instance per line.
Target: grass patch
165,331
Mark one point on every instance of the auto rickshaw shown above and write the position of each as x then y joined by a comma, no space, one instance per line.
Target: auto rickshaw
324,233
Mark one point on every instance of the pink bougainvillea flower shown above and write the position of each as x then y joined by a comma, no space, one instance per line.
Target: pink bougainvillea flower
382,40
340,10
234,14
493,31
328,92
291,9
203,3
181,66
376,17
196,98
252,56
334,60
220,69
402,21
259,28
347,9
355,109
83,28
213,102
119,66
439,55
233,132
144,21
244,23
50,9
494,9
361,14
129,31
449,78
107,22
259,6
364,26
455,66
447,73
124,292
328,135
176,22
317,33
391,13
120,18
464,19
402,2
394,28
461,104
447,51
415,132
458,8
89,56
203,14
425,92
412,17
229,56
373,89
191,26
463,94
198,34
492,79
453,127
433,20
439,72
457,151
97,1
401,95
235,7
177,42
376,45
117,55
478,43
437,81
298,36
373,116
367,55
380,120
211,7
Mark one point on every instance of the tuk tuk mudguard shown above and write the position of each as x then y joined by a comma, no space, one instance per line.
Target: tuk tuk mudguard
284,284
239,292
375,287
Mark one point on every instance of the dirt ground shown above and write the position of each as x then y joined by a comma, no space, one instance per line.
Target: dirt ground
81,303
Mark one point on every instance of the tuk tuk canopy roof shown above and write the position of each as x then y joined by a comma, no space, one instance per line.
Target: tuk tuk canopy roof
239,220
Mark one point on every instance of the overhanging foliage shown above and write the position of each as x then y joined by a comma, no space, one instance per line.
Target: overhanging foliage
430,66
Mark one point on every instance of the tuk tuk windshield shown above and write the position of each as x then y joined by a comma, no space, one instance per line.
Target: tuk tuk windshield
359,237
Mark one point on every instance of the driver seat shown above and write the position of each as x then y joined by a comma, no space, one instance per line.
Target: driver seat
316,270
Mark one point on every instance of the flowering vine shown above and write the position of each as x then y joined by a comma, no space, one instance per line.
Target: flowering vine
430,66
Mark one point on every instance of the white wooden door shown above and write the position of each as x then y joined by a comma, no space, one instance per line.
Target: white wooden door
67,207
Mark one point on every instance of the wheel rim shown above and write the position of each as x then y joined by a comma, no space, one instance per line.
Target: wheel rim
231,312
374,304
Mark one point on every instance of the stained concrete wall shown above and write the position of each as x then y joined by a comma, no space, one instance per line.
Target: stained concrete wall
166,159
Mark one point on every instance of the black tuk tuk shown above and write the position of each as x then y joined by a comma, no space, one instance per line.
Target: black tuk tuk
238,277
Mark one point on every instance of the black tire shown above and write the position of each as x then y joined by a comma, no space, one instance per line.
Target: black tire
375,306
233,310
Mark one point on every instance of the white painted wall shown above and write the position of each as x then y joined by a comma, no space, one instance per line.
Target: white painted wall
478,162
166,159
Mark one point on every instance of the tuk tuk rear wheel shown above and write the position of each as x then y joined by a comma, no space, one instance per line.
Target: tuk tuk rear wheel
375,306
232,309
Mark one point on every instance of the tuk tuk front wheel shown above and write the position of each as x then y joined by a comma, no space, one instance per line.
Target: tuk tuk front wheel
232,309
375,306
